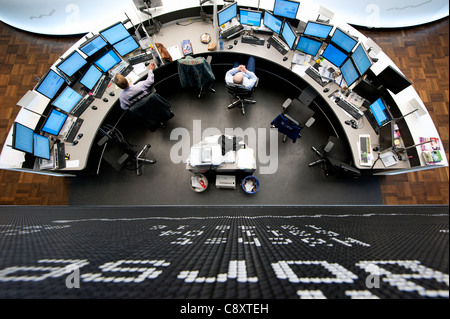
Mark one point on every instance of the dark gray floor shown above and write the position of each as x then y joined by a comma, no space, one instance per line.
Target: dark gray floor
167,183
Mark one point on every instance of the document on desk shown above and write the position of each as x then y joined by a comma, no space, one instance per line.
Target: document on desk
175,52
34,101
245,158
388,159
300,69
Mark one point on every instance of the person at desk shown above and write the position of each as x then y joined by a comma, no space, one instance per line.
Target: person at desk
242,75
130,90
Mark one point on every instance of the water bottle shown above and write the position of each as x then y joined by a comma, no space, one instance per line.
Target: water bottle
220,43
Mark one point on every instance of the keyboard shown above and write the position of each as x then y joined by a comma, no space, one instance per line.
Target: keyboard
315,75
350,109
277,45
101,86
365,150
127,70
252,40
59,156
82,106
73,130
232,31
140,58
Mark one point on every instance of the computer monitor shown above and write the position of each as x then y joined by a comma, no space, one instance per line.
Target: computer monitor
67,99
250,17
272,22
286,8
361,59
367,91
317,29
392,79
91,77
227,14
343,40
93,45
41,146
380,111
308,45
288,35
22,138
126,46
115,33
108,61
71,64
50,84
334,55
349,72
54,122
386,136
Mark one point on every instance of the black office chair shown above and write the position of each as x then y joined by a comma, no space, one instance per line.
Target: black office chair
196,72
241,95
294,117
152,110
335,159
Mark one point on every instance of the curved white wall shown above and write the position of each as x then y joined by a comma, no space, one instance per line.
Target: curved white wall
64,17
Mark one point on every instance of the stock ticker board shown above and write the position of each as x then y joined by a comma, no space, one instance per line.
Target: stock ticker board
224,252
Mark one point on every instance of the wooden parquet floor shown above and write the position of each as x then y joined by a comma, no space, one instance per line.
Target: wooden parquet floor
422,53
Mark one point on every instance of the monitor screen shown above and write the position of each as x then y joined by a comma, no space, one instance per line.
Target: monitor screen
380,112
272,22
67,99
386,136
394,81
115,33
288,35
106,62
361,59
54,122
91,77
286,8
334,55
50,84
94,44
317,29
250,17
343,40
72,64
126,46
349,72
308,46
22,138
227,14
41,146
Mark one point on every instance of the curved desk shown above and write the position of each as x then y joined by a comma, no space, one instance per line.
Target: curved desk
173,33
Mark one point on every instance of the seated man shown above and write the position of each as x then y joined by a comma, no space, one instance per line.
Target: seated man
242,75
130,90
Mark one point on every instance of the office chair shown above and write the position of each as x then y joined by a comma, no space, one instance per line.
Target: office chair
196,72
294,117
334,158
152,110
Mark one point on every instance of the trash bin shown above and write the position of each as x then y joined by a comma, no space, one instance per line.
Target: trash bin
250,184
198,183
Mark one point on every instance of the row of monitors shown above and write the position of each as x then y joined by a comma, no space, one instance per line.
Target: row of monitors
113,42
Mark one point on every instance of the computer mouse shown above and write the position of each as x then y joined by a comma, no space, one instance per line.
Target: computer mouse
105,99
235,42
111,93
93,107
348,122
326,90
285,58
354,125
229,47
337,99
147,63
376,149
80,135
74,142
268,45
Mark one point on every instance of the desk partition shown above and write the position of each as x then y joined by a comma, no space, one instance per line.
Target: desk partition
413,127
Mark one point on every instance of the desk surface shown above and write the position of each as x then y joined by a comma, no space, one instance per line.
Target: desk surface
173,33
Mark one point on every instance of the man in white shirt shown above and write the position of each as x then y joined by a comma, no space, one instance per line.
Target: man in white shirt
242,75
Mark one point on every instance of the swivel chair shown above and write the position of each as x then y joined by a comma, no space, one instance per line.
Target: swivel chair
335,159
294,117
241,95
196,72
